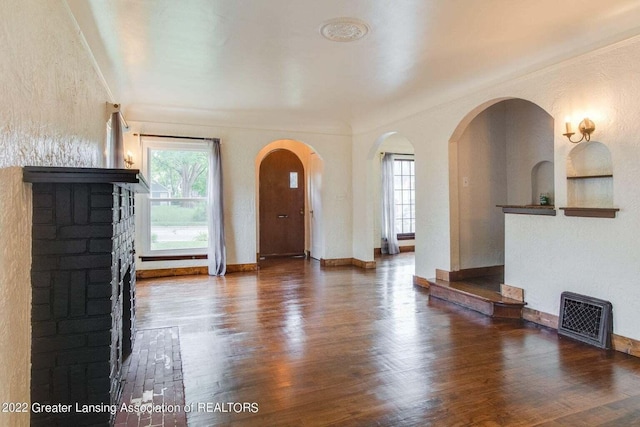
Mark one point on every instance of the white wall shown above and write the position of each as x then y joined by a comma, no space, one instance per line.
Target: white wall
53,113
482,184
240,147
543,255
529,141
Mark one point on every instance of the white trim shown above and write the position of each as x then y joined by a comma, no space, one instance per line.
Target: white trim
156,143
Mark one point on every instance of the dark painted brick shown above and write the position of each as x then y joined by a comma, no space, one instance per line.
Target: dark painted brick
60,247
42,232
40,312
100,275
101,245
60,384
99,370
102,189
40,295
81,203
42,200
88,355
78,293
43,216
98,339
77,383
84,325
39,188
40,376
58,342
101,216
44,262
99,291
99,384
44,360
63,204
43,329
41,279
98,307
61,281
85,231
40,394
84,261
101,200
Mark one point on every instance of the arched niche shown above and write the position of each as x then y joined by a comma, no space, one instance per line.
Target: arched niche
590,176
542,182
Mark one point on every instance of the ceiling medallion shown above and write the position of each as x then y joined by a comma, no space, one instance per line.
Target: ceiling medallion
344,29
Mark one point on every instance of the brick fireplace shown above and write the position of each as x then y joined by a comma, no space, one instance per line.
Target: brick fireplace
83,288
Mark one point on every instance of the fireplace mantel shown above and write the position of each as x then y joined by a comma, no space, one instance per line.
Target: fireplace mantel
131,179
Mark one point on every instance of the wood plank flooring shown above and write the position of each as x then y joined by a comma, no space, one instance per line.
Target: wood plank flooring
343,346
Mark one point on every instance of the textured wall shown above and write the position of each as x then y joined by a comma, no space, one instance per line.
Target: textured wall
53,107
52,113
15,292
482,156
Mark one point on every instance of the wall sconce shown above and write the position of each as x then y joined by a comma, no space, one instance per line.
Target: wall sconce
128,160
586,128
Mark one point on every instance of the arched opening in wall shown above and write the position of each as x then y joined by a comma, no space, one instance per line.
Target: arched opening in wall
289,202
394,190
590,176
501,154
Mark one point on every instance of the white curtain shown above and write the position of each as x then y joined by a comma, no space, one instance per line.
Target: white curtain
389,234
217,256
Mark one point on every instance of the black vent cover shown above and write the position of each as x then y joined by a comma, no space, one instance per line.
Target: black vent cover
586,319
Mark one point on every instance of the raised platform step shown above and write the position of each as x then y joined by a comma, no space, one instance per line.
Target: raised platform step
476,297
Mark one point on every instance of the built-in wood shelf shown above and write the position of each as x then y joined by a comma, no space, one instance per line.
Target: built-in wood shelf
589,176
528,209
591,212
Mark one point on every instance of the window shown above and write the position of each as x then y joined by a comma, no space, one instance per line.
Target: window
404,198
177,203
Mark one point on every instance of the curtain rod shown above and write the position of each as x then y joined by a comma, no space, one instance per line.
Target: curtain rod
397,154
198,138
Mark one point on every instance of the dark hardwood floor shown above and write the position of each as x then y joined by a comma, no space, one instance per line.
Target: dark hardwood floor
344,346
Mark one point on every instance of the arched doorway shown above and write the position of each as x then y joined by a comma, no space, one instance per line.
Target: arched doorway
501,154
282,204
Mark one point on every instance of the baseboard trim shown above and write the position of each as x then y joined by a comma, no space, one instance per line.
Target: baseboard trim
170,272
363,264
408,248
468,273
540,318
337,262
242,268
618,342
421,281
625,345
192,271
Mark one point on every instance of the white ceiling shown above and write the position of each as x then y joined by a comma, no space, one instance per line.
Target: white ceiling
256,61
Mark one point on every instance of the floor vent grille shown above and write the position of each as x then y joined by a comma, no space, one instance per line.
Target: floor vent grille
586,319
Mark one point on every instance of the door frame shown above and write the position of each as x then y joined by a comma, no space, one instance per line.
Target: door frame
303,151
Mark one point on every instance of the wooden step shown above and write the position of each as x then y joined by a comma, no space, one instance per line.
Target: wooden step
478,298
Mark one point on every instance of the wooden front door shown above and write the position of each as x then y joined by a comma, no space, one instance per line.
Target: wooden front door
281,204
